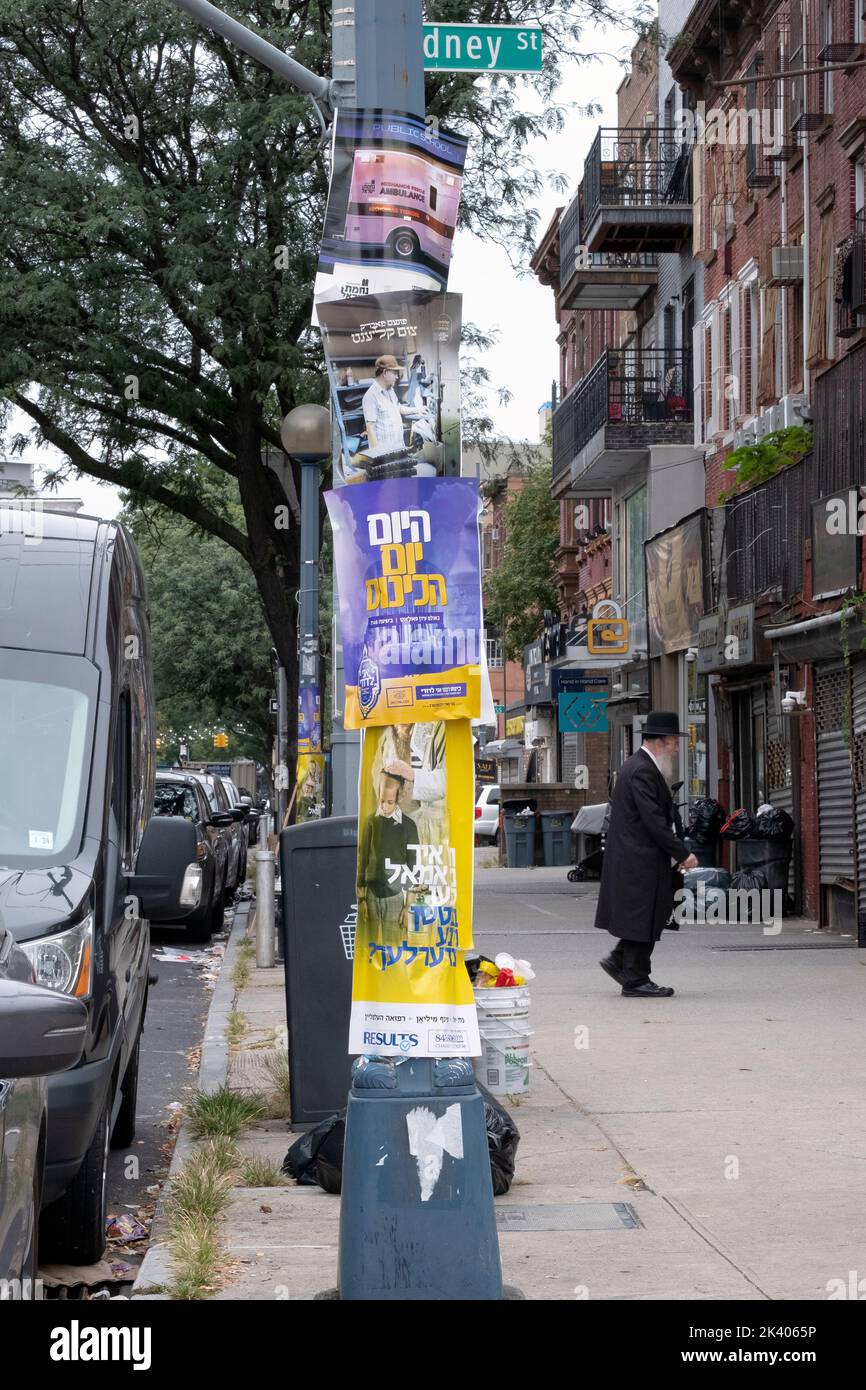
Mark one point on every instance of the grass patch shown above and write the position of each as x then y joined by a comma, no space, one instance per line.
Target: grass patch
260,1171
223,1113
198,1196
236,1027
240,976
278,1070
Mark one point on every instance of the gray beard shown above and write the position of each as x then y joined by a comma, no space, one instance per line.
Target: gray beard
668,766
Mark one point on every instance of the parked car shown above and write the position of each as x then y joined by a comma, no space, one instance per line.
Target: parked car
232,830
487,814
40,1032
179,794
89,866
244,805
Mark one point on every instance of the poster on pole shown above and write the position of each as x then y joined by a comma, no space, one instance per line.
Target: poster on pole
394,375
309,719
406,557
675,586
392,205
411,994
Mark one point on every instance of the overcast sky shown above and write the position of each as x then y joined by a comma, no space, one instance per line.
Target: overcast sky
525,357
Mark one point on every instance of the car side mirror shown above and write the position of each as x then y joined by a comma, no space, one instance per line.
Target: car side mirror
41,1031
239,813
168,878
220,819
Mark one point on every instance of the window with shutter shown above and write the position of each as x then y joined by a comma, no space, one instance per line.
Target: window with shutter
767,367
820,321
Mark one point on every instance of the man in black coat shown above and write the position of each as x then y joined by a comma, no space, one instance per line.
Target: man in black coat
641,856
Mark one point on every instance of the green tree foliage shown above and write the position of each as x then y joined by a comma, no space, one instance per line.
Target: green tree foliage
163,199
519,591
211,645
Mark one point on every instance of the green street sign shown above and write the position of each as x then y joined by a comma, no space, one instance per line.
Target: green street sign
482,47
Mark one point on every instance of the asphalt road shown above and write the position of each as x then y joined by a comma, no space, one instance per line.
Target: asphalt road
176,1014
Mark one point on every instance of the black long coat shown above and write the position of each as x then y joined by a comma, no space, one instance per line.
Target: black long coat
637,884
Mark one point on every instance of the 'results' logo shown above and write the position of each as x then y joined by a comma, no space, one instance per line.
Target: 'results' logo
405,1041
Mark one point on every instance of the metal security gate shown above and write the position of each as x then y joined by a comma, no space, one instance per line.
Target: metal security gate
858,719
835,785
569,758
780,777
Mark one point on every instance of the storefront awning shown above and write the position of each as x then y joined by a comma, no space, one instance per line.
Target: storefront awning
818,639
503,748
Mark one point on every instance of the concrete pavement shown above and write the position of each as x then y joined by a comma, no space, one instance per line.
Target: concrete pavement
712,1143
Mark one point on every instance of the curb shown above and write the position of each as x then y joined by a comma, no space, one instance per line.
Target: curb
155,1269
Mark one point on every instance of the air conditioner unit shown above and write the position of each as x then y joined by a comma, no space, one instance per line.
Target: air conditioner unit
744,435
786,265
762,424
792,408
537,731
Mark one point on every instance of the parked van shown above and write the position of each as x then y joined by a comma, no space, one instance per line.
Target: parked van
403,202
83,867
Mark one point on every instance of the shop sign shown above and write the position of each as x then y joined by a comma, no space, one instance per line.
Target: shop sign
583,712
515,727
731,640
537,674
485,771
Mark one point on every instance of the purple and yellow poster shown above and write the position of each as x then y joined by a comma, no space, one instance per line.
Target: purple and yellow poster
411,994
408,571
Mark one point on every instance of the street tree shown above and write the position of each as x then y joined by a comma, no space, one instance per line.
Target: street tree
522,586
163,199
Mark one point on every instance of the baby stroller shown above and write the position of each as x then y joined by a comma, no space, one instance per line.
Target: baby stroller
590,825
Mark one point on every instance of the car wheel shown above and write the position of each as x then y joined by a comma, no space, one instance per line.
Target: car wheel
124,1126
72,1230
212,921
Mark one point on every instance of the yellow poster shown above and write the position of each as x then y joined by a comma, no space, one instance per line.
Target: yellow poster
310,786
411,995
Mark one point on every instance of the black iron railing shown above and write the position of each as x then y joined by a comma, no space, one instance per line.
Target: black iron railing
626,387
573,255
765,534
851,281
636,168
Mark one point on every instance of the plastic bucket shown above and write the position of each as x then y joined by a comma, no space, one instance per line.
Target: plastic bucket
503,1015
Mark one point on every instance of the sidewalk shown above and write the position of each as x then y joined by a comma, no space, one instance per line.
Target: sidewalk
705,1146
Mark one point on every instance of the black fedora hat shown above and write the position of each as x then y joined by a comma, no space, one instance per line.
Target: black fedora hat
663,723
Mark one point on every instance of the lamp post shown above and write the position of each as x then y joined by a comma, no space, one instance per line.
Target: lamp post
306,437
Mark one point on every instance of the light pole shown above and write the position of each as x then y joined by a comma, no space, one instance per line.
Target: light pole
306,437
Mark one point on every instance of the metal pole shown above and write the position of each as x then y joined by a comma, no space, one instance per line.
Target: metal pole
265,909
282,747
252,43
381,48
308,597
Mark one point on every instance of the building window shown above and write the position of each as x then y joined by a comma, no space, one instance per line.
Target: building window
826,42
494,654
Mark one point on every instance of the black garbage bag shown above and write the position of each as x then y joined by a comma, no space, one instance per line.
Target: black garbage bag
503,1136
704,891
710,878
706,818
738,826
774,824
747,880
316,1159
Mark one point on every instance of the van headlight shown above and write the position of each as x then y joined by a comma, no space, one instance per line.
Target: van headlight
190,893
64,962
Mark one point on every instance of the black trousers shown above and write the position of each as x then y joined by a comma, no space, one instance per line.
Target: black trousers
632,959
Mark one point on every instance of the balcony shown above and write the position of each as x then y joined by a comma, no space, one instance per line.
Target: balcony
629,402
637,192
600,279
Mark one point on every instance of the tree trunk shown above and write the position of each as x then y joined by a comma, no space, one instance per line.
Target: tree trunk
274,556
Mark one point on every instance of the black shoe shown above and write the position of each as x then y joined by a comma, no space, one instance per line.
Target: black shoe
609,966
650,990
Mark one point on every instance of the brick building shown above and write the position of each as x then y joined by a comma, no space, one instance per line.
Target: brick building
778,228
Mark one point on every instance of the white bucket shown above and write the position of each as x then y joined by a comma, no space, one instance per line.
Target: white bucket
502,1022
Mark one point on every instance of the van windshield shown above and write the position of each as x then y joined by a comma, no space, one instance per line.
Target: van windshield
47,708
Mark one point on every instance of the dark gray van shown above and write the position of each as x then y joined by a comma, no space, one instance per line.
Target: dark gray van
83,867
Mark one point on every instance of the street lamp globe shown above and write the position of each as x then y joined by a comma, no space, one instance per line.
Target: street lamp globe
306,434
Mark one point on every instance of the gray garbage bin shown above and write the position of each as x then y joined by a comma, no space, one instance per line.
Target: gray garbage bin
556,834
519,834
317,865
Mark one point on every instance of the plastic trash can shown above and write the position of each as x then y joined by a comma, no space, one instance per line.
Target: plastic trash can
519,835
772,857
556,834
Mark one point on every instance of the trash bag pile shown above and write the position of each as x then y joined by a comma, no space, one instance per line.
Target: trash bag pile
706,889
740,825
705,821
316,1159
